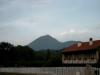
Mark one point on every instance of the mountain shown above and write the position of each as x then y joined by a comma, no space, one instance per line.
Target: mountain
48,42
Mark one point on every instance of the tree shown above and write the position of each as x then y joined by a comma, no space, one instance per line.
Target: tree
5,47
24,54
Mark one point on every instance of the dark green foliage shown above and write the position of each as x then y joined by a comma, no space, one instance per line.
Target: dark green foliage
4,52
23,56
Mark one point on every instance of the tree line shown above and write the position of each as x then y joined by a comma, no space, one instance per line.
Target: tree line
24,56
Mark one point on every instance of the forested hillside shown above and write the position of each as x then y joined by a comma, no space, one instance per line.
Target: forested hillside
18,56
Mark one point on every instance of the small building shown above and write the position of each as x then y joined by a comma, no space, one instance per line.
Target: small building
82,53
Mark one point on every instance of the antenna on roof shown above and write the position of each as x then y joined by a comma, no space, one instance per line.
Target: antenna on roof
90,41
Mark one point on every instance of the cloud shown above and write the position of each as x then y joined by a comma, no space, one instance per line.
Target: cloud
79,33
18,19
66,20
20,31
14,9
95,27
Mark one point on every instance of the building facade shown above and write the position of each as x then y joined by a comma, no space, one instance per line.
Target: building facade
82,53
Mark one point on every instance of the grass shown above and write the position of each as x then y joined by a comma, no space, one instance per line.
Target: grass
5,73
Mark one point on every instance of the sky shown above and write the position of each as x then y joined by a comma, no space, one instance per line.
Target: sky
22,21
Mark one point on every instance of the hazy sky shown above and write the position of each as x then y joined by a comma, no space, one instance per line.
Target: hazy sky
22,21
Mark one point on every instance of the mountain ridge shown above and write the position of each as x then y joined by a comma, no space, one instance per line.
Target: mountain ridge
49,42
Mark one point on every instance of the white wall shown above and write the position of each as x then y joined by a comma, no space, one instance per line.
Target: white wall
49,70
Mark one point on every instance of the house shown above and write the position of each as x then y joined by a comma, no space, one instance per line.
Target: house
82,53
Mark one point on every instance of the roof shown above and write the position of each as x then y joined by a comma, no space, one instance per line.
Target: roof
84,46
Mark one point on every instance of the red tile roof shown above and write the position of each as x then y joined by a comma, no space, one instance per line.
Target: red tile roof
84,46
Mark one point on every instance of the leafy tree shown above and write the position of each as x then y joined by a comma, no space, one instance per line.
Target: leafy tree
11,55
5,47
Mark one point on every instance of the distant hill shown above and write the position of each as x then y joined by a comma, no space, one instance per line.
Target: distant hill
48,42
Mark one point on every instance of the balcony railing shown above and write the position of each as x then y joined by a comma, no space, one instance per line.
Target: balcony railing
80,61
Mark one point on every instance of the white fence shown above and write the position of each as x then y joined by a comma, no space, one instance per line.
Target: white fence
53,70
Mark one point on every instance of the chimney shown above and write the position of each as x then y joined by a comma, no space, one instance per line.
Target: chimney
90,41
79,44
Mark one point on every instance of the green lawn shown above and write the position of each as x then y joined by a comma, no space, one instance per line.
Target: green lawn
2,73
